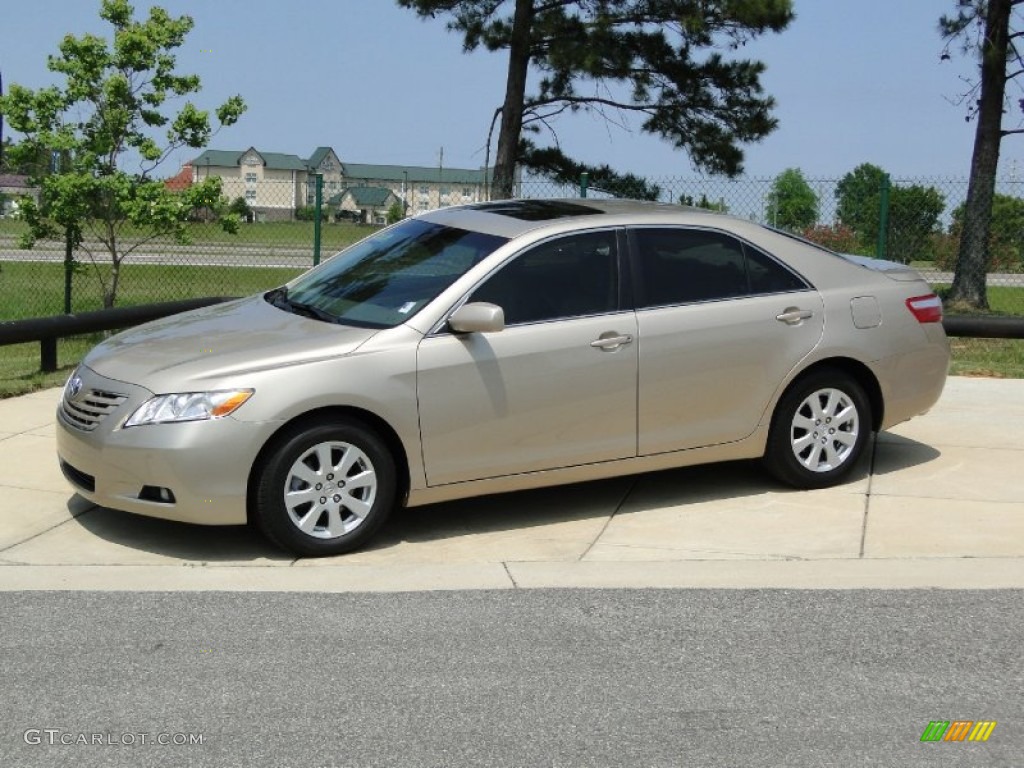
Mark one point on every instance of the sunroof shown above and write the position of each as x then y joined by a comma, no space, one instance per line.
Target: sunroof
537,210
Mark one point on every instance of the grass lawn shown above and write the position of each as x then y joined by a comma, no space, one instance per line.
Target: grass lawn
36,289
991,357
141,284
333,237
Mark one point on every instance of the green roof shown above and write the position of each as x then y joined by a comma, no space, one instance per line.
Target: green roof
368,196
227,158
281,162
318,156
354,171
413,173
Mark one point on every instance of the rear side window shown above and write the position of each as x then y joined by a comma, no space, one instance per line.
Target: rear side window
682,266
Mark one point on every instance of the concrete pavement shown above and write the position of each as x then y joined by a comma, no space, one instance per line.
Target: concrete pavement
937,502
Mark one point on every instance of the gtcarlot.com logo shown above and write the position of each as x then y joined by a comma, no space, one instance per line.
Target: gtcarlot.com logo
56,737
958,730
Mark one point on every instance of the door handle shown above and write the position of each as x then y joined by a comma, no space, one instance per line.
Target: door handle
794,315
611,341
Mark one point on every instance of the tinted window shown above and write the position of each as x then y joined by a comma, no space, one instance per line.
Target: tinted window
680,266
568,277
768,276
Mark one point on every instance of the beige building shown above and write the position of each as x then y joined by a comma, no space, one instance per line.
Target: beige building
276,186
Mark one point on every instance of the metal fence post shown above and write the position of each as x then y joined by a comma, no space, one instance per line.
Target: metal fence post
317,215
883,217
69,269
584,183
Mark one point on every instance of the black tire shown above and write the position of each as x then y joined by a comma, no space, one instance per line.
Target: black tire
343,482
819,430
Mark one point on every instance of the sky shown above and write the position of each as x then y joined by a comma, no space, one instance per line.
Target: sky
855,81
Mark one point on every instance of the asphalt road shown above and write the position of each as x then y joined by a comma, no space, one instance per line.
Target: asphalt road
510,678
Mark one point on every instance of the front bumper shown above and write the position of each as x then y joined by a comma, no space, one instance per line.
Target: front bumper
204,465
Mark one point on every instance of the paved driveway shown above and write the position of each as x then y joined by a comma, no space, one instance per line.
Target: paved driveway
938,501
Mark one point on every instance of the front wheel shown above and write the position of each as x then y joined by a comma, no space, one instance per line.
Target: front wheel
325,489
819,430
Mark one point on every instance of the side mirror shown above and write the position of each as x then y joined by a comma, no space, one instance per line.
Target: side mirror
477,317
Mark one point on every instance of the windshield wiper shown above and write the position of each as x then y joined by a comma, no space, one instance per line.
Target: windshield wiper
279,298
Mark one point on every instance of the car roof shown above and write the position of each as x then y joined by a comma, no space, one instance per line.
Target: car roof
511,218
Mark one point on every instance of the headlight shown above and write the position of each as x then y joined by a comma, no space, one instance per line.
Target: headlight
188,406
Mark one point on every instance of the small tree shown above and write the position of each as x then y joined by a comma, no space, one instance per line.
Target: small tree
241,208
102,122
913,218
858,197
395,213
914,213
792,204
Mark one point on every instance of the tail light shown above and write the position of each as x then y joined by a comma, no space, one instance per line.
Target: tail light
927,309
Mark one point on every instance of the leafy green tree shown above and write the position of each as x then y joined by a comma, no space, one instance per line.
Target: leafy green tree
667,54
989,31
241,208
395,213
914,213
1006,235
858,198
105,123
792,204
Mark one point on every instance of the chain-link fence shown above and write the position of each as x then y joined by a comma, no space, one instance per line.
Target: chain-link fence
915,221
918,221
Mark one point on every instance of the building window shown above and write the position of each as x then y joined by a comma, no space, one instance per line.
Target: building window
250,178
250,195
467,193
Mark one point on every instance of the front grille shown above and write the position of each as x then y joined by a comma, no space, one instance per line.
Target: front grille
89,408
78,477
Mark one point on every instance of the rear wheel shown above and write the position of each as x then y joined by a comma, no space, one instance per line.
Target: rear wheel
819,430
325,489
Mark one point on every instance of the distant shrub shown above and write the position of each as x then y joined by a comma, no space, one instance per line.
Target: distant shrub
835,237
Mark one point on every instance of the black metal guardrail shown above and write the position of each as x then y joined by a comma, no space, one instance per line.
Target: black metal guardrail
984,327
46,330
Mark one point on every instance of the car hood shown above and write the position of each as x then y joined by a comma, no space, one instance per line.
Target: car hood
194,348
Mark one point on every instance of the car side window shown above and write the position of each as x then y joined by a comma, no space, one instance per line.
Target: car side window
682,266
768,276
570,276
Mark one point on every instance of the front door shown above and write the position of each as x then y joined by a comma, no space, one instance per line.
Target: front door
555,388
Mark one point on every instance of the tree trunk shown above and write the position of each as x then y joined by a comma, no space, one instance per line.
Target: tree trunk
970,278
515,94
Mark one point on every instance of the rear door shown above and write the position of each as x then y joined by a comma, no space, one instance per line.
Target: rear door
721,324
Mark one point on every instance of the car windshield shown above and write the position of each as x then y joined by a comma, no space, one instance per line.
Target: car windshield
388,277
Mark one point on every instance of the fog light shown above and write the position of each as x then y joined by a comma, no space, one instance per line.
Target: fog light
156,494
